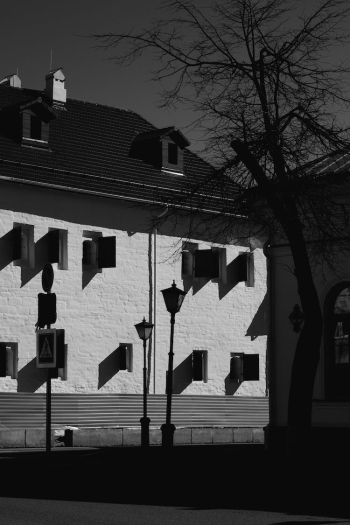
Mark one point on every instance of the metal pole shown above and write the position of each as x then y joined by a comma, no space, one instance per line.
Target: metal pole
145,421
48,408
168,429
48,411
144,381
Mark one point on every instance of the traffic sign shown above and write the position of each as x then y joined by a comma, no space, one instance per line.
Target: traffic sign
46,348
47,277
47,314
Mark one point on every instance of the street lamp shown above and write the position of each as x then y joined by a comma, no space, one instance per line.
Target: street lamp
144,331
173,298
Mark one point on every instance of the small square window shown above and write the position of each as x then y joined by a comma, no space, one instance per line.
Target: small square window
244,367
9,360
207,264
23,245
200,365
57,247
99,252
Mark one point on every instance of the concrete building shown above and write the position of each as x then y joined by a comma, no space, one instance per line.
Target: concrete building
80,184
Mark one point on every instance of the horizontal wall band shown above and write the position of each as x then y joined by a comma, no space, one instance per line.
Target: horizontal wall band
27,410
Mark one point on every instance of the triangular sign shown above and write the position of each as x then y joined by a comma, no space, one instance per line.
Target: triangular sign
46,350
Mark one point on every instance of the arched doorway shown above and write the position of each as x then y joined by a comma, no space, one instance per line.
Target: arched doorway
337,342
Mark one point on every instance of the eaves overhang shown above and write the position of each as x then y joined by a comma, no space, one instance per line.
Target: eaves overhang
51,185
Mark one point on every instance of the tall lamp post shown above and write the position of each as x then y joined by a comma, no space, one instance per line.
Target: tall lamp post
144,331
173,298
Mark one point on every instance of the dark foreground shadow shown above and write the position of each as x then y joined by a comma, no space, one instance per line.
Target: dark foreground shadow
221,477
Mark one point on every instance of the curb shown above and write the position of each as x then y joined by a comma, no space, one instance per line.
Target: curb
122,436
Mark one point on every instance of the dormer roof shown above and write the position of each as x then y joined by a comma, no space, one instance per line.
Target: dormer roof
12,80
57,74
46,112
172,132
89,152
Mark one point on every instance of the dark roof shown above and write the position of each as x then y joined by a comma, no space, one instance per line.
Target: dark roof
337,162
89,151
174,133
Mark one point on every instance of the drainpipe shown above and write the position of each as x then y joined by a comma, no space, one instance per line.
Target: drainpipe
155,231
270,351
154,306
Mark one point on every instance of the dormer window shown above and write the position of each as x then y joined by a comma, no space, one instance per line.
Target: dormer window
163,148
35,127
36,116
172,157
172,154
35,131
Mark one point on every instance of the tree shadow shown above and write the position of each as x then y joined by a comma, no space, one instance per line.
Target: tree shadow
31,378
182,375
231,387
259,325
110,366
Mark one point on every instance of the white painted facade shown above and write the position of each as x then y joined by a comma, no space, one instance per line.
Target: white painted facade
98,312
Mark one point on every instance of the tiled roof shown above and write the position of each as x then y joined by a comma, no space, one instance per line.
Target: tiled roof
89,151
334,163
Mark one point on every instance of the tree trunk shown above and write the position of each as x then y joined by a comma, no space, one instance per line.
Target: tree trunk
307,352
306,356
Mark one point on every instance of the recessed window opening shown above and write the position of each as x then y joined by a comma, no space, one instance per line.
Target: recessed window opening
172,154
35,127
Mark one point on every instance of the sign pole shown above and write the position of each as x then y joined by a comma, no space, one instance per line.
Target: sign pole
47,282
48,410
48,406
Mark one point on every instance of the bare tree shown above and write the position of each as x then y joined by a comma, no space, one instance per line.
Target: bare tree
270,96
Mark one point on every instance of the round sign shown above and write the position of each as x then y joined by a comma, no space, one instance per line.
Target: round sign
47,277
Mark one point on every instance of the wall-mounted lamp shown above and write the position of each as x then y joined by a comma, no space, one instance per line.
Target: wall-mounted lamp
296,318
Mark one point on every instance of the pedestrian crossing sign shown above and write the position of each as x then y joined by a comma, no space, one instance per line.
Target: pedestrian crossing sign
46,348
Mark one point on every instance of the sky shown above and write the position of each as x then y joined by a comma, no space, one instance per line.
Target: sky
29,31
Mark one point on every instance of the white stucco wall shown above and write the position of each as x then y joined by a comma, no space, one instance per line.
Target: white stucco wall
99,316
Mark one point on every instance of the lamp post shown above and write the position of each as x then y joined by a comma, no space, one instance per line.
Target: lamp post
173,298
144,331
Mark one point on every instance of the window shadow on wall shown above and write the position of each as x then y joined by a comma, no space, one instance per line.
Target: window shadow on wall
41,258
232,271
31,378
259,324
87,276
231,387
182,375
109,367
6,249
196,283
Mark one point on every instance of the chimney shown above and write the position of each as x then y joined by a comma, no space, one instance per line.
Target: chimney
12,81
55,86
